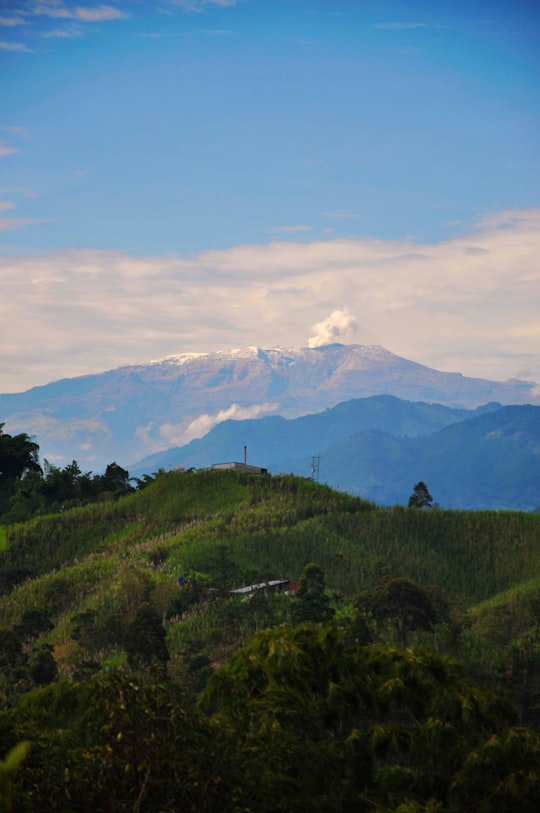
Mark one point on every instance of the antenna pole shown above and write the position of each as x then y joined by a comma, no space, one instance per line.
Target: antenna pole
315,466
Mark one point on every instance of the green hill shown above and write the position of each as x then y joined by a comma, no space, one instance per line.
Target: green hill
118,616
217,531
486,459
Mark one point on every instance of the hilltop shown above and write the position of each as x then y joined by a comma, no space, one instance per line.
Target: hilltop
488,458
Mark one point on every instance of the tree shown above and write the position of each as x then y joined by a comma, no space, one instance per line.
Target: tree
114,744
32,623
145,639
18,455
115,480
67,486
43,668
324,724
311,602
8,769
27,498
420,498
13,660
301,719
404,603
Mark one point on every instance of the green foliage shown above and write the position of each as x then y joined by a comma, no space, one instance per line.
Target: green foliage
311,602
8,769
18,455
42,667
420,497
115,480
116,744
145,639
32,623
304,718
502,775
12,657
76,580
301,719
343,726
403,603
27,491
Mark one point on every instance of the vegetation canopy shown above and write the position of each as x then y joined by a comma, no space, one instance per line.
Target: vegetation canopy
374,658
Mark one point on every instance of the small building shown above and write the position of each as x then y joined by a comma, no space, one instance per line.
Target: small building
241,468
278,585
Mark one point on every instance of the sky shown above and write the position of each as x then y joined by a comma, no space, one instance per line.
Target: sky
197,175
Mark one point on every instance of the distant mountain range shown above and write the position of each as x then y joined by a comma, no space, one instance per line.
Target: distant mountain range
124,414
379,447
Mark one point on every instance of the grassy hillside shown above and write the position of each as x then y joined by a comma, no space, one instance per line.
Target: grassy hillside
274,526
90,569
121,655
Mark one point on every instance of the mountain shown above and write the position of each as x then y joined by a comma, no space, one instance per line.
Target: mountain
379,447
130,412
273,439
491,461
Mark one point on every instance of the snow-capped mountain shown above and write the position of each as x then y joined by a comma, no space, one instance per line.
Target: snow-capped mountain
127,413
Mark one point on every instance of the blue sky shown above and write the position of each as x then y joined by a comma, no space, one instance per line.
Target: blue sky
190,176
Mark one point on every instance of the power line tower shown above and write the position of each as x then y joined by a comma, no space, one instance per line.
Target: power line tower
315,466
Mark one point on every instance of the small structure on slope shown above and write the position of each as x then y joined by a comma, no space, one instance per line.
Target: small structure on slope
242,468
278,585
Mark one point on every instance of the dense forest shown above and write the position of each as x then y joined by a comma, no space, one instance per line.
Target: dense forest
395,667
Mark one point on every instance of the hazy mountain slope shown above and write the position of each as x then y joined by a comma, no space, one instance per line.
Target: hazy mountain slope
269,439
489,461
126,413
492,461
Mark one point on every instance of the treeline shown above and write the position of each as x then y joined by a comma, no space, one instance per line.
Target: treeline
28,489
304,718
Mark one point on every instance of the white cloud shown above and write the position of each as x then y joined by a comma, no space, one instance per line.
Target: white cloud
50,8
181,433
341,214
288,229
468,303
58,10
99,14
21,132
201,5
403,26
6,205
13,46
7,150
14,223
215,32
338,325
11,21
68,32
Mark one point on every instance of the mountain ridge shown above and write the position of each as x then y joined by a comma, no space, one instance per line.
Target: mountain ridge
127,413
488,458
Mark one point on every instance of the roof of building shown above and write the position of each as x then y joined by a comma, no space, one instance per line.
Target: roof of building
243,467
250,588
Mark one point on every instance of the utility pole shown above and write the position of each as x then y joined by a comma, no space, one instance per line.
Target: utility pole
315,466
